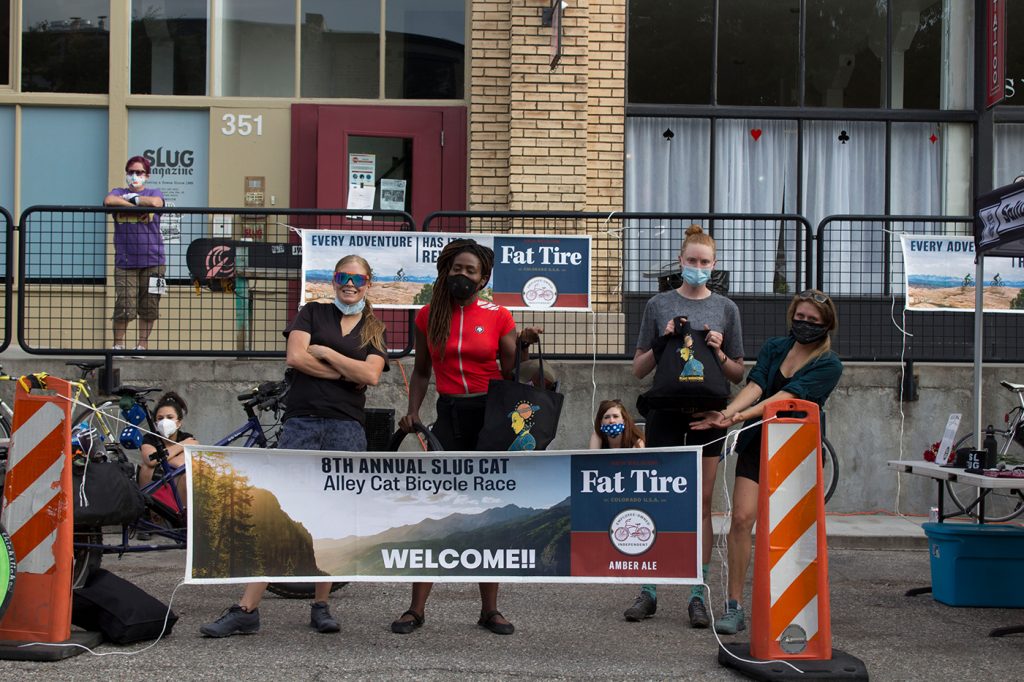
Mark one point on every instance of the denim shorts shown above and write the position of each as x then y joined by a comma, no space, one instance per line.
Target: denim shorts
320,433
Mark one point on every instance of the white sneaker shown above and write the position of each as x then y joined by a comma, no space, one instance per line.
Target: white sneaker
117,347
137,349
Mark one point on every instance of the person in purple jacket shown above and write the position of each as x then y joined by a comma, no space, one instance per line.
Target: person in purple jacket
138,255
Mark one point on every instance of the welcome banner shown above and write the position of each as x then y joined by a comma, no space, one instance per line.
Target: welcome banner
531,272
939,275
558,516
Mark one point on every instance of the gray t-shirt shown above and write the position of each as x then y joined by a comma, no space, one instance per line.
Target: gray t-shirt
716,311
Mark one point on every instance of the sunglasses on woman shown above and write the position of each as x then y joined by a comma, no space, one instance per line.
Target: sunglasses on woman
815,295
358,281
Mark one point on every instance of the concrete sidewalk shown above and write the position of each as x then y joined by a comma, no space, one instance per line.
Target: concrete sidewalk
864,531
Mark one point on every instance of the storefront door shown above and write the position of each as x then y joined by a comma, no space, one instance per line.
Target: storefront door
363,157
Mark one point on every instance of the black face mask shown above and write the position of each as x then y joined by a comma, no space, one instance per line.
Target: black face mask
461,287
807,332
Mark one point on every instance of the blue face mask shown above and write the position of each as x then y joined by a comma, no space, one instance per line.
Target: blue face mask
613,429
695,276
350,309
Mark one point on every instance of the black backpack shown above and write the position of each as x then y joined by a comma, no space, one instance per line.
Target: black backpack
688,374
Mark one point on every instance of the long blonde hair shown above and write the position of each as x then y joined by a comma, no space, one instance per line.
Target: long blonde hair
372,333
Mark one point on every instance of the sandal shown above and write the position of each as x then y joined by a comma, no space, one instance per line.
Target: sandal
487,621
404,627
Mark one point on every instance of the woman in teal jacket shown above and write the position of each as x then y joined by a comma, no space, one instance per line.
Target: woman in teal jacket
800,365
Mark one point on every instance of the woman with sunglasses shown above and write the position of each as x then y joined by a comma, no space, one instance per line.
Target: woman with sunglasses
465,341
800,365
336,350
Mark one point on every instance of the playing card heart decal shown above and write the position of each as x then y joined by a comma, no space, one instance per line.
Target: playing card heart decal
755,133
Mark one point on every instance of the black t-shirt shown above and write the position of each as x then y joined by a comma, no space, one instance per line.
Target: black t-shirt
179,435
311,396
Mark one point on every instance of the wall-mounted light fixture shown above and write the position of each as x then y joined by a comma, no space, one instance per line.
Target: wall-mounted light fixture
552,16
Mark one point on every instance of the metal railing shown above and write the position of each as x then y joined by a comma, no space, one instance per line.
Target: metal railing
765,258
232,277
860,264
7,265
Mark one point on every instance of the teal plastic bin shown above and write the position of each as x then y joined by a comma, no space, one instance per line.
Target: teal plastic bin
976,565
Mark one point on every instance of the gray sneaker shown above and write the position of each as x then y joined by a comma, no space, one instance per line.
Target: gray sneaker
732,621
698,613
320,618
234,621
643,606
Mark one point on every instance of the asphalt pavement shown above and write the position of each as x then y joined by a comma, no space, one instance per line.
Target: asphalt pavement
563,631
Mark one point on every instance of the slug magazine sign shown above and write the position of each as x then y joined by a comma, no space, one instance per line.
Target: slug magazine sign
939,275
531,272
559,516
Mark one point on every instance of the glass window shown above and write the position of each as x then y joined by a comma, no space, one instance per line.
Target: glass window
1014,55
256,48
65,46
758,50
168,48
5,42
426,46
1009,153
931,55
917,178
665,33
64,148
340,48
845,53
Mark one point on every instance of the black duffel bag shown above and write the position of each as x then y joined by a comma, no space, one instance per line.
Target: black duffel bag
121,610
112,495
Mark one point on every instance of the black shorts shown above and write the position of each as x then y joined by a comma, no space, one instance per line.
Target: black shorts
672,427
748,463
459,421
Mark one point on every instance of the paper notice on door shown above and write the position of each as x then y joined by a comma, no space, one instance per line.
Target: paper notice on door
360,198
362,169
392,195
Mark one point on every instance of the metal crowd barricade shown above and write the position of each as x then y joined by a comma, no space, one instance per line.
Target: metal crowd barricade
766,258
7,262
860,264
231,297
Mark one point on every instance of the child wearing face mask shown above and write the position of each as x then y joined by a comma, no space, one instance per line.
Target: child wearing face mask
614,427
170,411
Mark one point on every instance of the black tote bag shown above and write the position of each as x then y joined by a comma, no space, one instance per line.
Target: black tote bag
688,374
520,417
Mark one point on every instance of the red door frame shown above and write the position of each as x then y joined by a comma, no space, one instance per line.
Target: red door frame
317,182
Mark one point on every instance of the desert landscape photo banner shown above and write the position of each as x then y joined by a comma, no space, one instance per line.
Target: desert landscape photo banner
939,274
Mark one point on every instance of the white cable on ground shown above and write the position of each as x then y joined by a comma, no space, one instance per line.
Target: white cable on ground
167,617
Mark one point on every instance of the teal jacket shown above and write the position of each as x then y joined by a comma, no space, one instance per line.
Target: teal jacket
814,381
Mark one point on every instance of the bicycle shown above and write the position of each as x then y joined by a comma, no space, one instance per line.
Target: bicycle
165,514
1000,505
632,530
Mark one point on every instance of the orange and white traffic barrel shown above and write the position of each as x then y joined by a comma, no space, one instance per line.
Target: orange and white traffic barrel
790,616
38,512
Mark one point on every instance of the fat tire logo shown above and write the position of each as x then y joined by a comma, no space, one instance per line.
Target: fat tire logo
632,532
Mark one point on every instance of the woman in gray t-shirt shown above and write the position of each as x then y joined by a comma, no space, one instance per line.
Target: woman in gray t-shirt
705,310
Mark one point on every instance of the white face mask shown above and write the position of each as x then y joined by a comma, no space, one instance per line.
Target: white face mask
135,180
166,427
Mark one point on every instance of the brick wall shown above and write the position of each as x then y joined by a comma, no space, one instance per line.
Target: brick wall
542,138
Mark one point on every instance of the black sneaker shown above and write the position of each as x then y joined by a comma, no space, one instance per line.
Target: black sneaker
643,606
698,613
234,621
321,619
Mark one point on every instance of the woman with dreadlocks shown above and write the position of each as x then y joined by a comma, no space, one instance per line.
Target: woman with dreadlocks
466,341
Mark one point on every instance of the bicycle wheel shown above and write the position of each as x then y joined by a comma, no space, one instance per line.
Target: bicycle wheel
8,570
85,559
1000,505
5,427
829,469
298,590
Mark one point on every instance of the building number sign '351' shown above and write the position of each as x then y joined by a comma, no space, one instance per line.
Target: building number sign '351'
241,124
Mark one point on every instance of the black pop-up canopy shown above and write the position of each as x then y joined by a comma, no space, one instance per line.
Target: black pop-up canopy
998,231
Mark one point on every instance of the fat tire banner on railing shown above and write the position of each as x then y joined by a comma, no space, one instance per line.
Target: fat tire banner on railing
531,272
557,516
